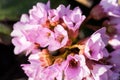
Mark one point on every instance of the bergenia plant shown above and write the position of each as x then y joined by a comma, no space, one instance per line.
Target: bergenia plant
51,40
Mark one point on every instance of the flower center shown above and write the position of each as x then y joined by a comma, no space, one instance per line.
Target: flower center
73,63
90,51
60,38
51,25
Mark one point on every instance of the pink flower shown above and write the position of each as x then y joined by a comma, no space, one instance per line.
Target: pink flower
110,75
45,37
99,70
111,7
38,13
19,40
53,16
32,69
59,40
40,36
45,27
74,19
75,68
52,72
63,11
108,5
35,70
95,46
21,44
114,60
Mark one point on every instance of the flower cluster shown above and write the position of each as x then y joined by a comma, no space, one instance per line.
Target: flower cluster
50,37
